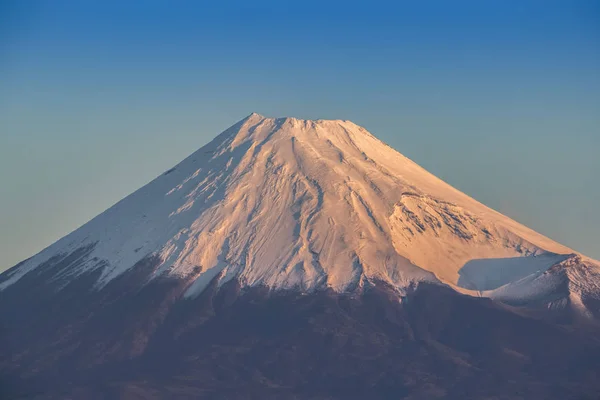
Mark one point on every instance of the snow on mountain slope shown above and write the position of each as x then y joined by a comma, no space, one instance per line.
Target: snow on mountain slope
573,283
491,273
291,203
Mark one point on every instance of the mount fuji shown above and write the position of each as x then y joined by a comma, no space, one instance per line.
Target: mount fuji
295,258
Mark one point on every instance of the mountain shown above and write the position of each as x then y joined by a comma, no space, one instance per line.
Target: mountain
293,258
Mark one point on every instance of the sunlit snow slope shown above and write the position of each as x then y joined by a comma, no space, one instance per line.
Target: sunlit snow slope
291,203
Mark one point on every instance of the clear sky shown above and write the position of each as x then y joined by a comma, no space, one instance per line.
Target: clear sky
499,98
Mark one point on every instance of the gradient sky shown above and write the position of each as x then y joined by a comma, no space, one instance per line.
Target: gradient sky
499,98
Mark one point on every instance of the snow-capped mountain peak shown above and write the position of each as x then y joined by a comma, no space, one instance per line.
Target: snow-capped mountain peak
304,204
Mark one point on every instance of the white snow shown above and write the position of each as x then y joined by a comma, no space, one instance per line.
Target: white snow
564,283
301,204
492,273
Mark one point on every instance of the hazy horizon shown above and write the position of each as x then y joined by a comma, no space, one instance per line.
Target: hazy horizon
500,101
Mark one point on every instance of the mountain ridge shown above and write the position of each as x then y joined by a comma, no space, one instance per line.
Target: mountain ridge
300,259
388,197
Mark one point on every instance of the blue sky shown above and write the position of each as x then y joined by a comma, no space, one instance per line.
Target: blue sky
499,98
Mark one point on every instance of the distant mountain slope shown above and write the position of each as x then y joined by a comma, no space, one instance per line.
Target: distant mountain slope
300,259
133,340
292,203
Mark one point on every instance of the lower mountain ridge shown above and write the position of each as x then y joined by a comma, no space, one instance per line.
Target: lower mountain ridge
300,259
142,341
